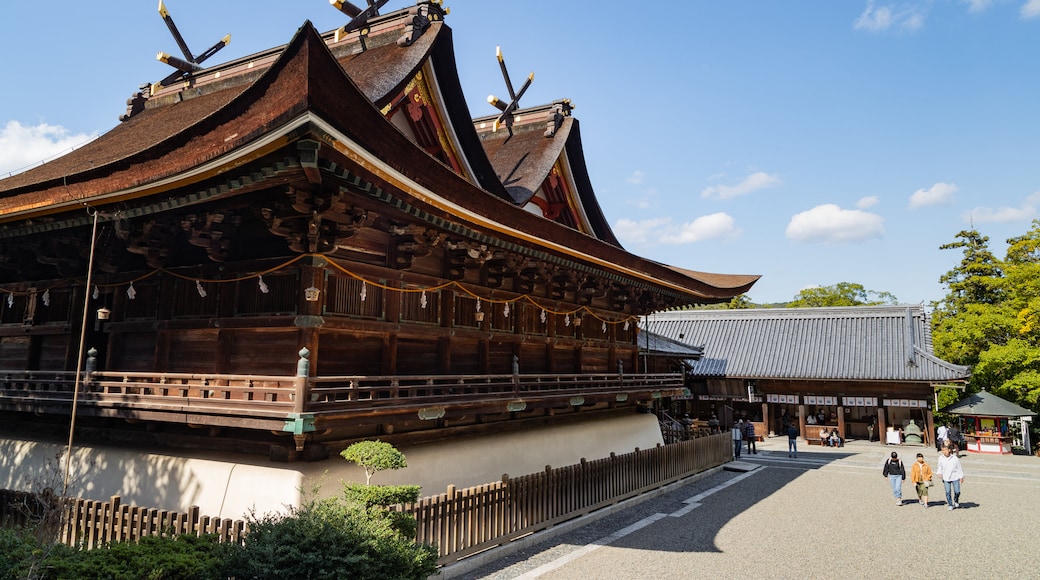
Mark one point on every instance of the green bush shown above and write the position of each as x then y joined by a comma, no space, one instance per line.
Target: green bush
153,558
331,539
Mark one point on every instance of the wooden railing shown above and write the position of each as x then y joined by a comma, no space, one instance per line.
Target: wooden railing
276,396
93,523
459,522
463,522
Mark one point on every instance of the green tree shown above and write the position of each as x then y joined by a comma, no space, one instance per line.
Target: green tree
989,318
374,456
840,294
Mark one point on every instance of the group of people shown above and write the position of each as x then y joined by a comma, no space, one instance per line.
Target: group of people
948,468
831,438
744,432
947,436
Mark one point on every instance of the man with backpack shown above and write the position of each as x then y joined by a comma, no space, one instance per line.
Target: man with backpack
896,475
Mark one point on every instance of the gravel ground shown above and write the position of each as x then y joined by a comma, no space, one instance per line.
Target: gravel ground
828,513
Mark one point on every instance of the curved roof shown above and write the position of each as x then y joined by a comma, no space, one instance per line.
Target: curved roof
875,343
187,136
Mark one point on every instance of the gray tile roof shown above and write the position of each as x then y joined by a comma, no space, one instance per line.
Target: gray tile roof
872,343
987,404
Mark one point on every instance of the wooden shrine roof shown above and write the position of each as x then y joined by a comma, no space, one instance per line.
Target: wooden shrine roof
185,136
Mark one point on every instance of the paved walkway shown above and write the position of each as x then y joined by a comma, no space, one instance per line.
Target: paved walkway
826,514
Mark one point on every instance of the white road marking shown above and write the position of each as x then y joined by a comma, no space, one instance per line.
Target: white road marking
692,503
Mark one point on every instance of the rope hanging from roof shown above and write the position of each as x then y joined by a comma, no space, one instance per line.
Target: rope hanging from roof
262,286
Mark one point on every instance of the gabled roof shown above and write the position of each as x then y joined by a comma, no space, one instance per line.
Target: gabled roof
654,344
304,91
864,343
986,404
525,157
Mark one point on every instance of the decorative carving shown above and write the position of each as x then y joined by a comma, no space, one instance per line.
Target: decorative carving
559,110
422,15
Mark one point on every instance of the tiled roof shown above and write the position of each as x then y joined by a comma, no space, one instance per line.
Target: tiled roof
987,404
875,343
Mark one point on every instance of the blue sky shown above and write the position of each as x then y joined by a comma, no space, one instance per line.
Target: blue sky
812,142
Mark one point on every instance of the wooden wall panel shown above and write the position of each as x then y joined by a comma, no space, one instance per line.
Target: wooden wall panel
596,360
532,357
343,353
134,351
465,356
53,350
14,353
193,351
417,356
564,359
500,357
263,352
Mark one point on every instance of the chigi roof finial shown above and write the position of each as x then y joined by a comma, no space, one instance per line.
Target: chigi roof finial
189,64
506,116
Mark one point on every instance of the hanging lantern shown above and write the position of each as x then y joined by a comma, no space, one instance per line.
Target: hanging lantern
577,321
311,294
478,315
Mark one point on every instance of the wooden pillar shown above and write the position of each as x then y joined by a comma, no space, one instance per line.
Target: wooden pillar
765,418
801,420
841,422
929,421
882,423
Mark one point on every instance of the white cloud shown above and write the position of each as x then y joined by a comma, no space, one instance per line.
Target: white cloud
661,230
867,202
23,146
879,18
707,227
1002,214
753,182
1031,9
940,193
636,178
978,5
874,18
829,224
646,199
639,232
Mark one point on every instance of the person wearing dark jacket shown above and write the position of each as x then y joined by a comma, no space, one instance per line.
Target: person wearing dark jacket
896,475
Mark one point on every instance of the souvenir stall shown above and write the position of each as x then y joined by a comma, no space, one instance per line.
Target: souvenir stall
985,420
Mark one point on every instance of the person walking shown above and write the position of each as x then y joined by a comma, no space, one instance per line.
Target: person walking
921,475
738,438
792,441
749,433
896,474
940,437
949,468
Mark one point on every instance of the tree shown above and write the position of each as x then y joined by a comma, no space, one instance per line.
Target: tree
989,318
840,294
374,456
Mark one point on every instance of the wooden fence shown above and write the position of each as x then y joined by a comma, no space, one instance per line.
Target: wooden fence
459,522
93,523
463,522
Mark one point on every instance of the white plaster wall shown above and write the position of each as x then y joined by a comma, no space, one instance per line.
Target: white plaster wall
231,486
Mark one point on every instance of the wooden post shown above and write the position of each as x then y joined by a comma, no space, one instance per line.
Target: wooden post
882,429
